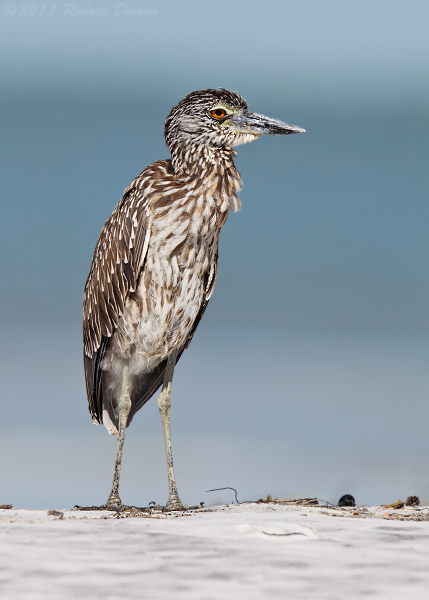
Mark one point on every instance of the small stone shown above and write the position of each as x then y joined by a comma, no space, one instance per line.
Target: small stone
347,500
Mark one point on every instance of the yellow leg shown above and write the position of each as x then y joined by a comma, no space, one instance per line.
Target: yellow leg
124,411
164,404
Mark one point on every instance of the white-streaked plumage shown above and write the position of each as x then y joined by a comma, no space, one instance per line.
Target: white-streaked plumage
155,263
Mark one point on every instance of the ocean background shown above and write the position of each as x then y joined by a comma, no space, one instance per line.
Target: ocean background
308,375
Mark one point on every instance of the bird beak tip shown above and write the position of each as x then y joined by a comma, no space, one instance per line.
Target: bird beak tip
296,129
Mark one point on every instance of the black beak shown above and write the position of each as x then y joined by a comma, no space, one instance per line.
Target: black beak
259,125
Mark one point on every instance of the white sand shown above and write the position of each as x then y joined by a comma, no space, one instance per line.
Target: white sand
240,552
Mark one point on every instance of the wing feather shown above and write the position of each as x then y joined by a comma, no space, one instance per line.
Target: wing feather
118,259
115,270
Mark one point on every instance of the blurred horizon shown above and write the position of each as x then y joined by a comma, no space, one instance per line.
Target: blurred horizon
308,373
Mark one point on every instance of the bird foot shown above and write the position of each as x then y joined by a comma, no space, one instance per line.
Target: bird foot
175,505
153,507
117,508
113,502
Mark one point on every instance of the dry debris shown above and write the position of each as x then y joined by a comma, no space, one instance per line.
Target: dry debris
395,505
331,510
412,501
56,513
299,502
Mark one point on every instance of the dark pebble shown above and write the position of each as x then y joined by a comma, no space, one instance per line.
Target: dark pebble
347,500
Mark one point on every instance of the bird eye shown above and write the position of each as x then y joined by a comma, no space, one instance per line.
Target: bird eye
218,113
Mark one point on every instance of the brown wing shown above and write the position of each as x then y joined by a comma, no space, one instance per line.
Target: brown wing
153,380
118,259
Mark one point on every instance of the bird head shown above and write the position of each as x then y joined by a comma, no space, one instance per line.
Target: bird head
217,118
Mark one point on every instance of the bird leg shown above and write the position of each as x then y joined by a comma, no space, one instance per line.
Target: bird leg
164,404
124,411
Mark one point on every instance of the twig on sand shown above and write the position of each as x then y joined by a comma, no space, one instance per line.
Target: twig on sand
225,488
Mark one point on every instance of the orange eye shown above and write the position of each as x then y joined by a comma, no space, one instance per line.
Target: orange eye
218,113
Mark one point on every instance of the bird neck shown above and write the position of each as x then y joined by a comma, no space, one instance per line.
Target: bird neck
209,167
194,161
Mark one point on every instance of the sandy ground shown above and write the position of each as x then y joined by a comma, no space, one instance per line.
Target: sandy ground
249,551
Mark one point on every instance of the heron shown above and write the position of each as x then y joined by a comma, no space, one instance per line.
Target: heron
155,264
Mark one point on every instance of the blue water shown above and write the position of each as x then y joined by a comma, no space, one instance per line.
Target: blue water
308,374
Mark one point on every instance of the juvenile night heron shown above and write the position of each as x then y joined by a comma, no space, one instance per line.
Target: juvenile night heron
155,263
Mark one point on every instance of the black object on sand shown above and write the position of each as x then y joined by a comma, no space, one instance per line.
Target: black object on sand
347,500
